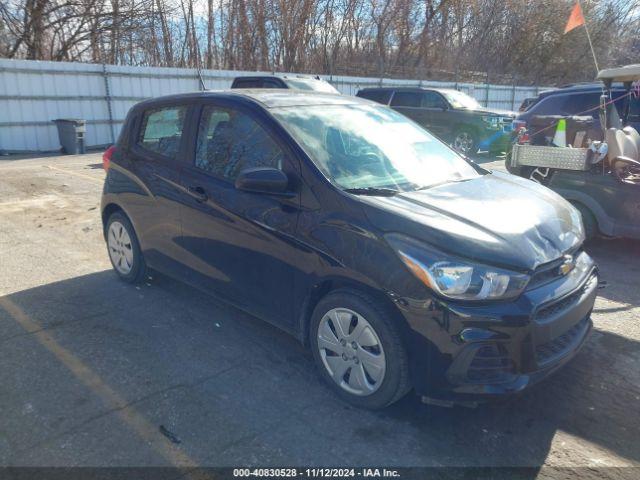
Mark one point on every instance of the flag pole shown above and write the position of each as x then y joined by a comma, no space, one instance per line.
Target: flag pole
586,29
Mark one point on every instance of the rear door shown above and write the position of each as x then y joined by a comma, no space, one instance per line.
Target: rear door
238,244
153,195
437,114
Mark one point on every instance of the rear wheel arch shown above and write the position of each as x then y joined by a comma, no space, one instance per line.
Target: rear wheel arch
109,210
112,208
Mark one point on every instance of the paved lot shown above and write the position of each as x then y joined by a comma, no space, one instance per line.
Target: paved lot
93,371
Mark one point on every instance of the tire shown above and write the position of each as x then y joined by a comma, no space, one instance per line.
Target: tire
589,222
368,388
124,249
465,141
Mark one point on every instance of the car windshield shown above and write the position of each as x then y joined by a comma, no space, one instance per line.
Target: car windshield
461,100
310,84
369,147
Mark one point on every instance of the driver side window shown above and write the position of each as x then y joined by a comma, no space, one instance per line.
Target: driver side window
433,100
230,141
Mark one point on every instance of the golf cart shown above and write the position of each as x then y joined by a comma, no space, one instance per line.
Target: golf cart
598,172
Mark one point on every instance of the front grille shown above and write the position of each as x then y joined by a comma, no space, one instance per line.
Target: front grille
558,346
490,364
566,302
549,272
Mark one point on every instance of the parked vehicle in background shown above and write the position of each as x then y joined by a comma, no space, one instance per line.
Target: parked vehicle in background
601,179
399,263
526,103
296,82
453,116
579,100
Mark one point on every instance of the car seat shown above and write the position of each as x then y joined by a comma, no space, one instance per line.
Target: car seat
623,143
169,145
624,154
634,137
217,148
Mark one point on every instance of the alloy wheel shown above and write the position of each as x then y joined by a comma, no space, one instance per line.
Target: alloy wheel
463,142
120,248
351,351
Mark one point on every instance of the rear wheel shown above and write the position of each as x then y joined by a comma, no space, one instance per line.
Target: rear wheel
358,349
124,249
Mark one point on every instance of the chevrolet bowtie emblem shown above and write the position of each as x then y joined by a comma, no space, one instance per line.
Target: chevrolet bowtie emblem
567,265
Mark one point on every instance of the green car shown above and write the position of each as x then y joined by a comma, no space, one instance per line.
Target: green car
455,117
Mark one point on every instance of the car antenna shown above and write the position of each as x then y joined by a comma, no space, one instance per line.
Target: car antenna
197,48
202,85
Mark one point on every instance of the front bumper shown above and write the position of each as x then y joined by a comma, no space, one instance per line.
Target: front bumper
496,139
477,353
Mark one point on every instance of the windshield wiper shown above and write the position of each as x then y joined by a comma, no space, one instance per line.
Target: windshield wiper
455,180
374,191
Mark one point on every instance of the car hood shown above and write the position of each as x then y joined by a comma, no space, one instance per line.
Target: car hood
497,219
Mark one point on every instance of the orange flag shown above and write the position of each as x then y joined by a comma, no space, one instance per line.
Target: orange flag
576,18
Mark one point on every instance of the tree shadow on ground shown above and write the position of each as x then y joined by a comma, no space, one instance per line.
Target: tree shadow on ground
164,336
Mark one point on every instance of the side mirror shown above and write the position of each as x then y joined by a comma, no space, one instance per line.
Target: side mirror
262,180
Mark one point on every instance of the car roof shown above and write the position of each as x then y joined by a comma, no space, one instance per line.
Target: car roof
406,89
265,97
587,87
257,77
628,73
279,76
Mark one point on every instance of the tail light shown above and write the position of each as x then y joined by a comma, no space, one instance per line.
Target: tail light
518,124
523,136
106,157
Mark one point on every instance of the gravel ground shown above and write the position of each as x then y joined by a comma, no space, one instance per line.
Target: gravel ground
94,372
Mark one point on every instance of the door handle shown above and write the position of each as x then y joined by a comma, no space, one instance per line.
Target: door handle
198,193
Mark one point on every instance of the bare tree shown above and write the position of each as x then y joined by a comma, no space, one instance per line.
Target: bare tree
436,39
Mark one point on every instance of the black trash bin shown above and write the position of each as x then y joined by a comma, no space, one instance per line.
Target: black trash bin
71,134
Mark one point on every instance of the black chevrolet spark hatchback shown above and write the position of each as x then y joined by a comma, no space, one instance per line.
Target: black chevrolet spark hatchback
397,262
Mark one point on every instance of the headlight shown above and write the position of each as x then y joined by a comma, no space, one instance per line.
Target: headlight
457,278
576,220
491,120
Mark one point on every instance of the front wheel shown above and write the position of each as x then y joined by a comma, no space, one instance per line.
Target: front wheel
358,350
465,141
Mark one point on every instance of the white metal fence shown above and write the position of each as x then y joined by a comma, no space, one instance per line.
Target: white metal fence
33,93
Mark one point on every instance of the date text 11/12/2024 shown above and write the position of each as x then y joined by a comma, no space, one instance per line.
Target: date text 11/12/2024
316,472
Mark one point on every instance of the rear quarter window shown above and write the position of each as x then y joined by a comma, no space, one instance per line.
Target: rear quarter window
379,96
161,130
582,104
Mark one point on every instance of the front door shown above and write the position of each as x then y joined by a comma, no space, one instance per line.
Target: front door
436,114
236,243
409,103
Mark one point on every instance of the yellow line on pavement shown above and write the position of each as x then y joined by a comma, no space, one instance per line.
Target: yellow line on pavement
137,422
89,177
